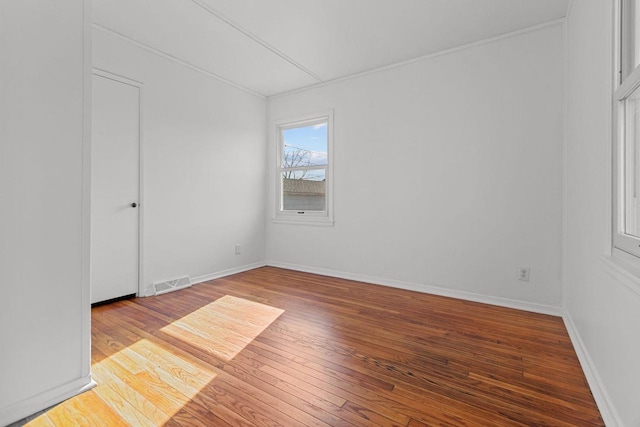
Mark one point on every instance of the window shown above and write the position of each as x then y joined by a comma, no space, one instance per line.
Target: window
304,169
626,231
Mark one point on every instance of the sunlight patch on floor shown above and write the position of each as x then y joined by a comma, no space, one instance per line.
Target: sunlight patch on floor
145,385
140,385
224,327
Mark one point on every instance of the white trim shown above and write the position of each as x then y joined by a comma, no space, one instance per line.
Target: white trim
46,399
569,9
117,77
308,220
256,39
611,85
297,121
228,272
141,199
423,58
621,271
85,244
427,289
629,85
603,400
565,159
175,59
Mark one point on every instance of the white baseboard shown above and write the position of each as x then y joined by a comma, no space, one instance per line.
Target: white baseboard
605,405
30,406
229,272
428,289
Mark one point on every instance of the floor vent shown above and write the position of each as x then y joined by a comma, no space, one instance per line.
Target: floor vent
171,285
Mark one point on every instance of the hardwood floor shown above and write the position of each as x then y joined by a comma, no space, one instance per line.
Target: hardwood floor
277,347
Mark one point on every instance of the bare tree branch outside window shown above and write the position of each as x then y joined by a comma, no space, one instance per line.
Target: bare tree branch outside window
296,157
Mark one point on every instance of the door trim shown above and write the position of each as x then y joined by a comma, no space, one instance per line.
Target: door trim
141,203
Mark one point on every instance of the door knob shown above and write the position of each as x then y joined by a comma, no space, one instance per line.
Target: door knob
134,204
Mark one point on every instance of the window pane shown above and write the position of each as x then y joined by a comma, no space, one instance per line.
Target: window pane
305,146
631,164
630,37
304,190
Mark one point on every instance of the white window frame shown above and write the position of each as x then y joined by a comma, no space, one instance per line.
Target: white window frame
624,246
305,217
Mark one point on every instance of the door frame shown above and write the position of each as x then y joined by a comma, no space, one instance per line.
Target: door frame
141,204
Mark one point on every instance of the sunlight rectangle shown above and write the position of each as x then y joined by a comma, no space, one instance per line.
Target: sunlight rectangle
224,327
141,385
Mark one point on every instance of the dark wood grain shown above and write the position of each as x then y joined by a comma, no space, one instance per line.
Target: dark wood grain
336,353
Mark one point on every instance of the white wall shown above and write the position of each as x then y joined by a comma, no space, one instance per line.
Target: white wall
203,169
44,286
448,173
603,307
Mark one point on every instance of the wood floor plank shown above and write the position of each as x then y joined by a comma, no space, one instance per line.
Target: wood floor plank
41,421
109,374
99,411
125,410
278,347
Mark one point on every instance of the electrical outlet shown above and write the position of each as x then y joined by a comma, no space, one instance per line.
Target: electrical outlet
524,273
238,249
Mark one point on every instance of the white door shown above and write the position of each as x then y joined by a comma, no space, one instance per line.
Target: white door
115,163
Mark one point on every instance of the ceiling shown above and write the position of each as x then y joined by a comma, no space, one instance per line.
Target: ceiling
274,46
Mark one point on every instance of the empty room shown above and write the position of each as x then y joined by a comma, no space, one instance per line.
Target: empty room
319,213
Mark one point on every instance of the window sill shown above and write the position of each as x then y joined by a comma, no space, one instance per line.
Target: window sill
622,269
317,221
